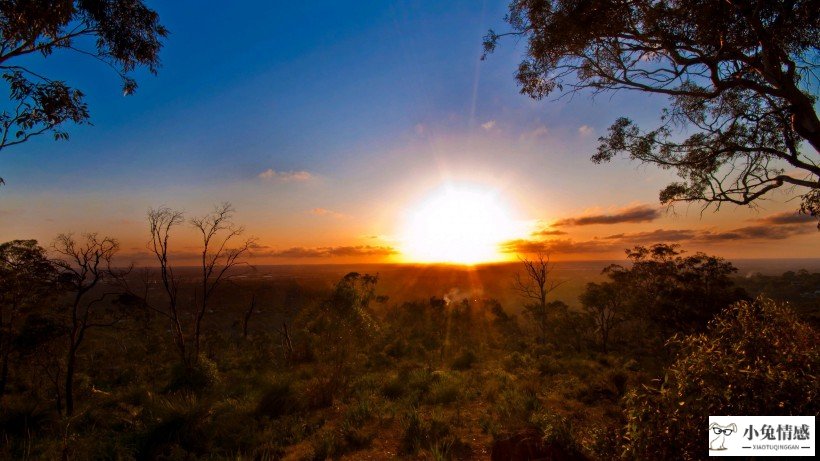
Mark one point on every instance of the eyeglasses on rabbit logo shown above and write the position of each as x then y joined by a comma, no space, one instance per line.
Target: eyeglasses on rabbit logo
718,435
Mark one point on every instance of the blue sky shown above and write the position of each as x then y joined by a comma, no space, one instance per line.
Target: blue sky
358,109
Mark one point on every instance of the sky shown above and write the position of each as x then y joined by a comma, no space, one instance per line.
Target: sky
332,126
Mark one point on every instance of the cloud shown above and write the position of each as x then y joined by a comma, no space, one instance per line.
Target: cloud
787,218
326,252
765,232
655,236
548,232
272,175
326,212
621,241
636,214
488,125
706,236
535,133
560,246
585,130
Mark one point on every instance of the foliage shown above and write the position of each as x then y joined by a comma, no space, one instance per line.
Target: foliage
464,361
605,303
676,293
755,358
741,78
122,34
27,278
418,378
194,376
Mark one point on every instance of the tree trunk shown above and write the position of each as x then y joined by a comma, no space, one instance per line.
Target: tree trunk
288,344
4,376
247,317
69,382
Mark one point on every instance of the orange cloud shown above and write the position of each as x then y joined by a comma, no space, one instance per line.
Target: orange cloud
635,214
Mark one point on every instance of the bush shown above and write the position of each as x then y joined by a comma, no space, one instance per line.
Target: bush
433,434
755,358
195,377
464,361
277,400
444,391
177,423
395,388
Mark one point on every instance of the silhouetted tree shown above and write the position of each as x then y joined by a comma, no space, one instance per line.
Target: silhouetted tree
741,78
27,278
122,34
345,316
217,257
606,304
161,221
336,329
536,284
84,266
678,294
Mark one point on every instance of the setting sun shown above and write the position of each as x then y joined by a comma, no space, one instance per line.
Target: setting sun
457,224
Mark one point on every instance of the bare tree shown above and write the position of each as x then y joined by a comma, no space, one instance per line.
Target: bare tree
218,232
217,257
535,284
85,266
161,220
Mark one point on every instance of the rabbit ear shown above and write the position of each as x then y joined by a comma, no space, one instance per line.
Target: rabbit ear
733,427
713,425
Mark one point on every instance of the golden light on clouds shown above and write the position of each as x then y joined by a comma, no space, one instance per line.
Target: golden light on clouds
457,224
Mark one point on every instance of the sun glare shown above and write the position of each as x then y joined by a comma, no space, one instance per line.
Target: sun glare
462,225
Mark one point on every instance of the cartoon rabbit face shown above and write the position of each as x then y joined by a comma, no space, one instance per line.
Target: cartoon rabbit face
718,435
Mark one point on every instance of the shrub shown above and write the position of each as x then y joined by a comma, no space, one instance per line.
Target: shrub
176,423
444,391
356,415
277,400
464,361
755,358
433,434
394,388
194,377
325,446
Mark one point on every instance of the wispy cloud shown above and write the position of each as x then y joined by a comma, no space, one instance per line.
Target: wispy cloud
326,212
533,134
585,130
787,218
286,176
777,227
328,252
559,246
548,232
635,214
757,233
655,236
488,125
